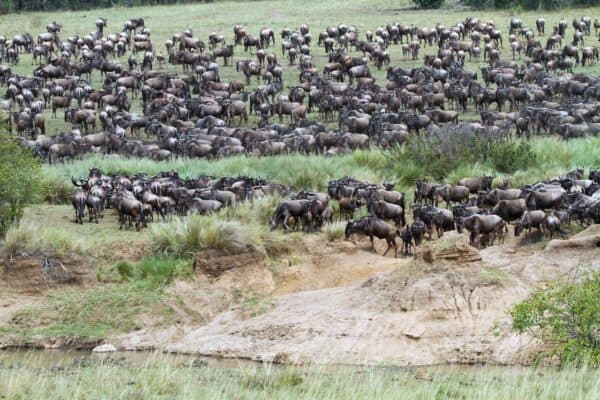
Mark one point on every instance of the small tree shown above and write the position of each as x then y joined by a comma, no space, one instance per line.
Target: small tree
565,316
20,174
428,3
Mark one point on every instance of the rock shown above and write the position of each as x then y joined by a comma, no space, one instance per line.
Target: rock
104,348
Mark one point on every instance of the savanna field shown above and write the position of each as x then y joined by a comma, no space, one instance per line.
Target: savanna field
309,225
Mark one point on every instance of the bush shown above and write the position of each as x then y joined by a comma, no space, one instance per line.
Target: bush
565,316
509,157
438,153
428,3
19,182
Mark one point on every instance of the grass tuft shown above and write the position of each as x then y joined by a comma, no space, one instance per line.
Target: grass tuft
31,238
186,236
334,230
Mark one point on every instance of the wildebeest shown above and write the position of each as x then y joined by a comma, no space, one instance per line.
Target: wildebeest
78,200
374,227
530,219
482,225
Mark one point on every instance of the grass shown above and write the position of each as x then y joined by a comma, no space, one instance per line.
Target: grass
334,230
555,157
155,270
34,239
186,236
157,376
492,276
94,313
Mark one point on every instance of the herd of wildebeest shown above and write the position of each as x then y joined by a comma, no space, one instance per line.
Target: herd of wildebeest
472,204
192,113
175,95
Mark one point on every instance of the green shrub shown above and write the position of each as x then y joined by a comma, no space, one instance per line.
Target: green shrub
509,157
428,3
438,153
20,174
566,316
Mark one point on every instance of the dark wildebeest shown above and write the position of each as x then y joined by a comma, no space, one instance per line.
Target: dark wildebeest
287,209
482,225
478,183
78,199
374,227
530,219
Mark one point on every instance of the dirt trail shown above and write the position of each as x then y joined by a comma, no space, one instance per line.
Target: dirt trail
449,310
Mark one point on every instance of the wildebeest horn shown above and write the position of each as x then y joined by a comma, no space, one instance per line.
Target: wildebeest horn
76,182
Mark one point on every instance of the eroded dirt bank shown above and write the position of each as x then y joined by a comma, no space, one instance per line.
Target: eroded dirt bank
447,306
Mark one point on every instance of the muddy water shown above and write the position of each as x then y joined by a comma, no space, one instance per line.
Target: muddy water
52,359
134,359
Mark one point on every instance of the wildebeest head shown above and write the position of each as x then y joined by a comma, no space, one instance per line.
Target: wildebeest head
350,228
460,223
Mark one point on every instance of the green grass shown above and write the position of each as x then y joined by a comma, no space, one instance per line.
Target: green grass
555,157
94,313
34,239
32,377
186,236
492,276
225,231
155,270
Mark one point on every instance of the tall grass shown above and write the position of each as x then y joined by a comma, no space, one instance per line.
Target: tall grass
178,377
553,157
186,236
34,238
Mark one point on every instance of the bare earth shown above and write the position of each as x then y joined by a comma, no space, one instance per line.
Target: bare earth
345,304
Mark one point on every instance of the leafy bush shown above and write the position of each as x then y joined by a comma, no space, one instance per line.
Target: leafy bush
19,182
566,316
439,152
509,157
428,3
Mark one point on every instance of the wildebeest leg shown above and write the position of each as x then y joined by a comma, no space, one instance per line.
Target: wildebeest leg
472,238
372,244
389,246
285,225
